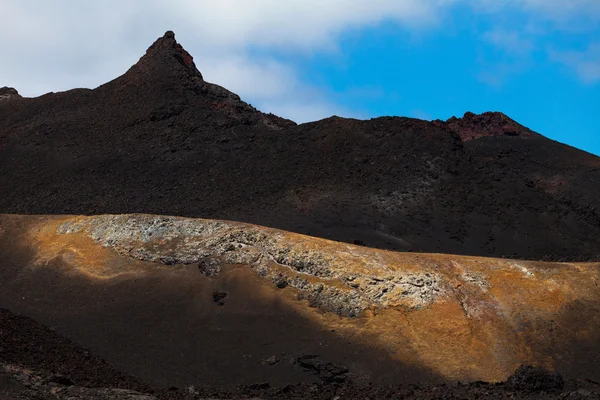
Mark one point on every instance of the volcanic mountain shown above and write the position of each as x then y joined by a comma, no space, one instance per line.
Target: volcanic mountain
160,139
129,304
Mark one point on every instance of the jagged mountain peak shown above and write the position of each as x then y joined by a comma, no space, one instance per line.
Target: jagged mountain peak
163,59
168,46
166,78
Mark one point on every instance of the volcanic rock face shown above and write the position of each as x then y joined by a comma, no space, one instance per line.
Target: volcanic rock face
472,126
162,140
283,263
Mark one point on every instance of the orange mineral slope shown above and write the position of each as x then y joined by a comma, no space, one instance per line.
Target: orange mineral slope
179,301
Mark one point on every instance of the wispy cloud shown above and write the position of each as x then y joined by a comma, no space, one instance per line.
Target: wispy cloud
497,74
511,55
528,33
558,11
511,42
585,63
562,10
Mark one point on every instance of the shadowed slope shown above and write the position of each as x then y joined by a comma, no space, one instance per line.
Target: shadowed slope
36,352
29,344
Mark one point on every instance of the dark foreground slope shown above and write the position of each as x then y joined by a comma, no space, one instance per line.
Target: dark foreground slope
160,139
29,371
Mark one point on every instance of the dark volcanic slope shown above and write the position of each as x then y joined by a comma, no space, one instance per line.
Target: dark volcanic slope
159,139
29,344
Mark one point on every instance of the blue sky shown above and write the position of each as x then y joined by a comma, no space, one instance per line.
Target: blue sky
471,62
536,60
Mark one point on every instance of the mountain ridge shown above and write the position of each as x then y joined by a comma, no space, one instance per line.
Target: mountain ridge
159,139
159,61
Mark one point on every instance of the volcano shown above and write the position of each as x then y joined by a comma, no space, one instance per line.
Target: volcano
160,238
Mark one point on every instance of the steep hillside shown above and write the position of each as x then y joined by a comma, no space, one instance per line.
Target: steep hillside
160,139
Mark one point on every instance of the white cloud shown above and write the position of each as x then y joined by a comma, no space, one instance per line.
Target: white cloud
52,46
263,78
68,43
299,24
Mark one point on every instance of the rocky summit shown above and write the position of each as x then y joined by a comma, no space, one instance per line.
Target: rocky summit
160,139
161,238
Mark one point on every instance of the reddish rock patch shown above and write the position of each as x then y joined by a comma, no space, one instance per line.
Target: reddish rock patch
474,126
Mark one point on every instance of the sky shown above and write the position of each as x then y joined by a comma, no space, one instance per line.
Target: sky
537,61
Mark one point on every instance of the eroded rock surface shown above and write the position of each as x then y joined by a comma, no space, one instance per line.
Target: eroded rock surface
323,281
